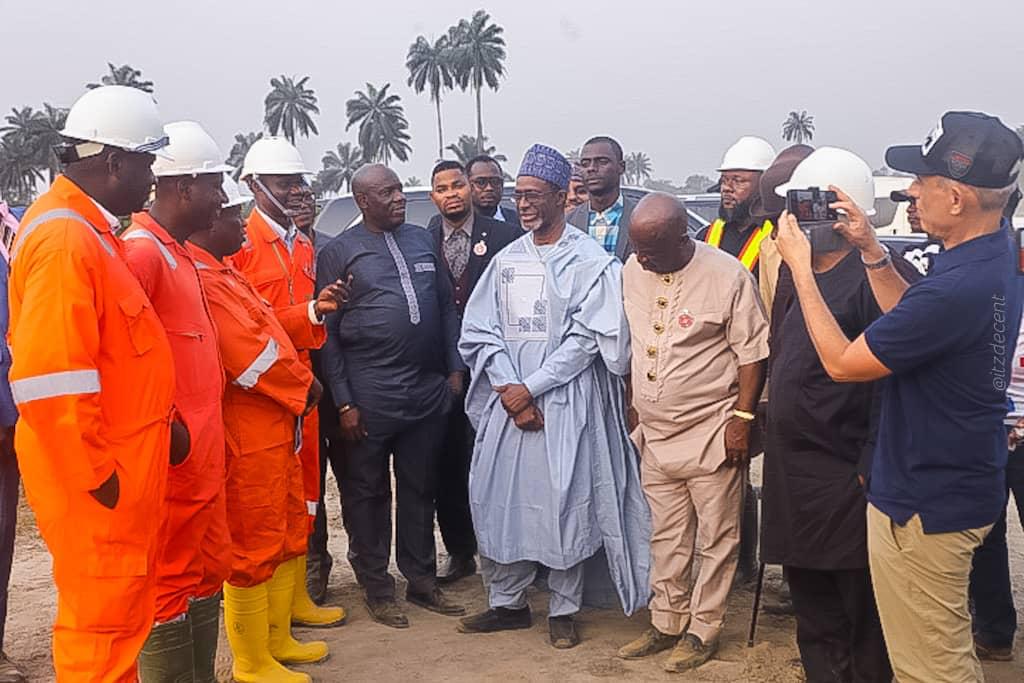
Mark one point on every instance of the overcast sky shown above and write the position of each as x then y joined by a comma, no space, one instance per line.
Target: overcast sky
677,79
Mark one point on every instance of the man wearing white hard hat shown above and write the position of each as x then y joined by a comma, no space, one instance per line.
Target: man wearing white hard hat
196,555
279,261
738,233
819,438
93,378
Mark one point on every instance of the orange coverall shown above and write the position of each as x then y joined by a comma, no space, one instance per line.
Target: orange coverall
196,556
93,377
267,387
287,280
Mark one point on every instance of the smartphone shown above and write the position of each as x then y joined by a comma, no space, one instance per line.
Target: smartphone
812,204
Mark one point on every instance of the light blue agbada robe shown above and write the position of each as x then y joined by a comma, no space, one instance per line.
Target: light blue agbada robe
552,319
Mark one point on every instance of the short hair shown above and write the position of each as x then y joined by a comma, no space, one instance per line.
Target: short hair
446,165
994,199
482,159
598,139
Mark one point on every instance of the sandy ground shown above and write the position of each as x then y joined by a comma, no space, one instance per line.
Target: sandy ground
431,650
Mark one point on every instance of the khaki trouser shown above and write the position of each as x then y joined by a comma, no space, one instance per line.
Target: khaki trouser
678,507
920,583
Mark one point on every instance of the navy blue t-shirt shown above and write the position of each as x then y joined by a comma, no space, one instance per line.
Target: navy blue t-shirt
949,342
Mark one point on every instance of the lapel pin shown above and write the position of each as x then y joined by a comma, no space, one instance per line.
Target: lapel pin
480,248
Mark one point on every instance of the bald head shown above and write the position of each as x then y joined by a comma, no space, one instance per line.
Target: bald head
378,194
658,231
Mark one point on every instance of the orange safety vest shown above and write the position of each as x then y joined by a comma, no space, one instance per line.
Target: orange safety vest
751,250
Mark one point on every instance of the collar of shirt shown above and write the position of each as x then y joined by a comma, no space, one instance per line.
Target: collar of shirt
978,249
499,215
611,215
287,236
466,227
112,220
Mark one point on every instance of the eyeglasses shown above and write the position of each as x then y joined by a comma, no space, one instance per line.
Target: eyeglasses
529,197
484,183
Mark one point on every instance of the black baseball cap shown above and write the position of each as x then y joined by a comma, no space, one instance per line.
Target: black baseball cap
900,196
967,146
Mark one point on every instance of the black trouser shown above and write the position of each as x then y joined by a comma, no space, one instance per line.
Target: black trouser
995,617
837,627
453,515
331,451
366,505
9,479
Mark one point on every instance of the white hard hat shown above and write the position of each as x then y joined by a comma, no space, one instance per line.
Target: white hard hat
834,166
749,153
273,156
192,152
118,116
233,193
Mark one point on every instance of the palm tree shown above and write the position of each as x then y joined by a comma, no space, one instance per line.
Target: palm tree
290,106
37,133
478,51
18,170
638,168
243,141
413,181
123,75
431,65
573,156
339,167
382,124
467,147
798,127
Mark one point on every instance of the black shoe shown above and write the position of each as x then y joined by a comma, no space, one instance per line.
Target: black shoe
459,567
317,575
563,633
435,601
497,619
387,612
992,653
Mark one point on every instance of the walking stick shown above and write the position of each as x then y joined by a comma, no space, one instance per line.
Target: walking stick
757,605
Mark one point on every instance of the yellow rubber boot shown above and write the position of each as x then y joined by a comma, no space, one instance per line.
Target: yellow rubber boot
283,647
307,613
248,631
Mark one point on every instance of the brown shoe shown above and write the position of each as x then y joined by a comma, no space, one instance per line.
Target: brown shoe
387,612
993,654
435,601
562,632
650,643
689,653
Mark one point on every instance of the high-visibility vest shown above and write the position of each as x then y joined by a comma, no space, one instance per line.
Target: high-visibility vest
751,250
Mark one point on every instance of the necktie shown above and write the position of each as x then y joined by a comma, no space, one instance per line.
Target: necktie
456,252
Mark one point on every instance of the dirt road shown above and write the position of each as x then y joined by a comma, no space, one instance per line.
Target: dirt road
431,650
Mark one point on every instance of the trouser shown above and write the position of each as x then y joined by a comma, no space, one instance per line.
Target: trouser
183,650
837,627
366,505
8,522
750,530
196,556
332,452
679,506
921,583
507,584
995,617
453,514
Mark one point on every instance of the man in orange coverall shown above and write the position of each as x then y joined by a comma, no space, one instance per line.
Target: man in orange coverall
196,555
268,389
278,260
93,378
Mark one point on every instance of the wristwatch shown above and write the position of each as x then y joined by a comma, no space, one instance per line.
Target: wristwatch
880,263
345,408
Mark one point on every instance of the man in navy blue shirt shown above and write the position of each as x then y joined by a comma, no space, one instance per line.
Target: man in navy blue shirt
945,344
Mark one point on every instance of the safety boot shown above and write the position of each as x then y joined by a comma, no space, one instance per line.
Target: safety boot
247,626
204,614
166,656
304,611
284,648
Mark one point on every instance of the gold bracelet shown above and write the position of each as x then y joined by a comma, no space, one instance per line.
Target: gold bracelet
345,408
744,415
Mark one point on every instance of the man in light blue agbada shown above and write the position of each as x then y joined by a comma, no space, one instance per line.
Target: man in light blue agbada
554,477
